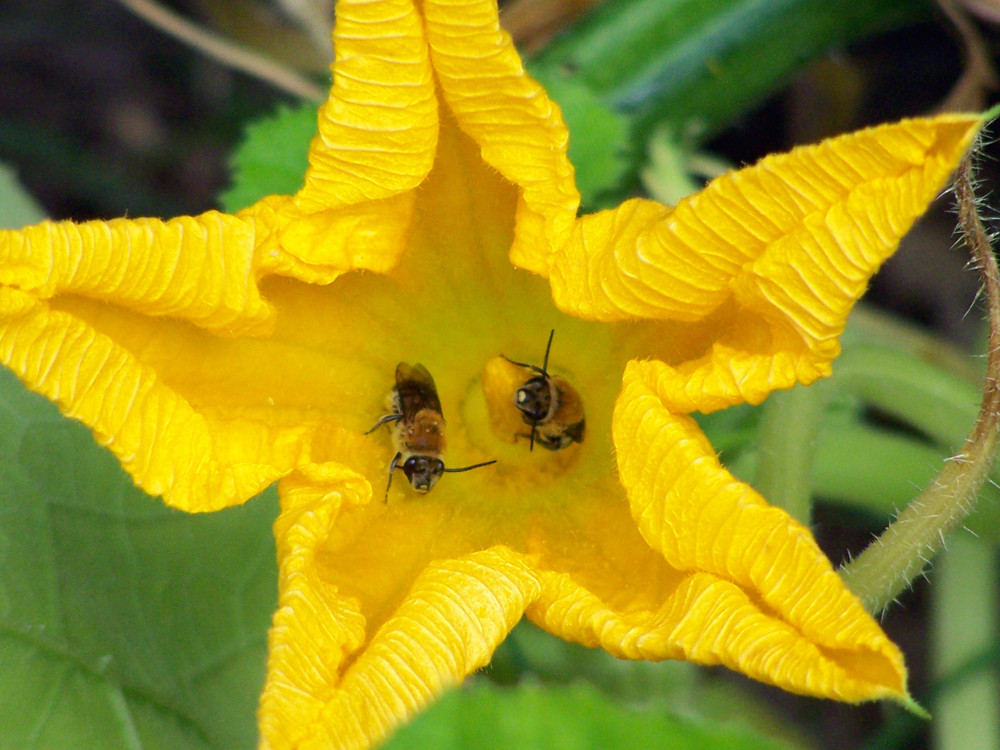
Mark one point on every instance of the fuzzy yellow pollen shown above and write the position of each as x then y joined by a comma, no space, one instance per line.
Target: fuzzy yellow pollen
501,379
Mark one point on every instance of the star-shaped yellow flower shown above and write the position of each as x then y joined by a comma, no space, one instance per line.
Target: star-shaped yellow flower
437,224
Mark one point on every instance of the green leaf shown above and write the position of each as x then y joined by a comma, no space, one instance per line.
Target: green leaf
565,718
915,391
599,146
531,655
122,623
272,158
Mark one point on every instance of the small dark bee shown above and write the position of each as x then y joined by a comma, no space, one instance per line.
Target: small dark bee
418,435
550,406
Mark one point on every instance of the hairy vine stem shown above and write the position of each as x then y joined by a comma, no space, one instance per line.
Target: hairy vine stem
889,565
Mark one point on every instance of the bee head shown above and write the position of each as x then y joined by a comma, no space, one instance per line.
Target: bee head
423,472
534,399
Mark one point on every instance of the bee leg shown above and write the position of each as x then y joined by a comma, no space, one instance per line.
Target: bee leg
385,420
529,435
392,468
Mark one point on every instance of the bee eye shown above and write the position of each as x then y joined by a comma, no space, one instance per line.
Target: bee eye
534,399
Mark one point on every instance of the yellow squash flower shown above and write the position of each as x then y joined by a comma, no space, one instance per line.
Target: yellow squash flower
216,354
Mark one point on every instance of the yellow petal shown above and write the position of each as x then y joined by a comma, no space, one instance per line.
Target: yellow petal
708,620
770,258
314,629
376,143
98,317
509,115
838,207
56,338
378,136
378,130
198,269
757,560
209,420
200,457
326,244
343,675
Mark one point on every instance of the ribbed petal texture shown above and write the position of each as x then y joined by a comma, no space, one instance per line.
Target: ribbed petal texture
519,129
754,563
196,268
773,256
332,683
376,143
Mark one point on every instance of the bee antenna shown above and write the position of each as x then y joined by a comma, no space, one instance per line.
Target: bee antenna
520,364
469,468
548,348
531,440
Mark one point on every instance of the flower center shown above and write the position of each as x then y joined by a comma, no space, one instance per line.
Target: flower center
496,426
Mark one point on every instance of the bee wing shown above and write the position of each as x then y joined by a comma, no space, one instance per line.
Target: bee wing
416,390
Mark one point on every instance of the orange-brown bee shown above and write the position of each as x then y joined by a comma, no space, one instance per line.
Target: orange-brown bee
550,406
418,435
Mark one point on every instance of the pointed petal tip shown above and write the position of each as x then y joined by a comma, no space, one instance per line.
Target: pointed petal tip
813,636
911,706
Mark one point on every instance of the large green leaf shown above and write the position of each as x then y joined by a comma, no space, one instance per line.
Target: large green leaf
572,717
122,623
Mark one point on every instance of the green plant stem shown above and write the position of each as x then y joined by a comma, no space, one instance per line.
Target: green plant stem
900,554
699,64
965,621
917,392
867,324
874,471
787,442
927,385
